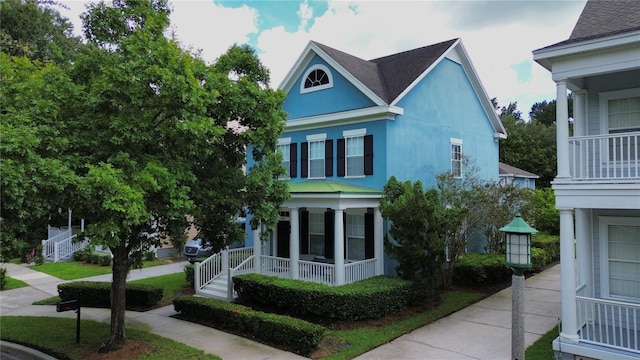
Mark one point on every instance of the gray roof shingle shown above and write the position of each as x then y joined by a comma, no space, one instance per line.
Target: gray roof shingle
390,75
601,18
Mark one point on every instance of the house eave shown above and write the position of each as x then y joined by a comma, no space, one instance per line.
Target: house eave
545,56
383,112
596,194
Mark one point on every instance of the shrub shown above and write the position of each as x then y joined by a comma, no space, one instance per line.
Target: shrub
98,294
549,243
105,260
298,335
82,254
539,258
149,255
367,299
3,277
481,270
189,272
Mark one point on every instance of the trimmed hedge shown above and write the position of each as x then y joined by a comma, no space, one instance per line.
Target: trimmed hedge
549,243
299,335
481,270
367,299
189,274
98,294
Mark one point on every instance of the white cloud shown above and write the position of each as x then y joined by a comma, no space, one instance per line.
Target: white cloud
497,35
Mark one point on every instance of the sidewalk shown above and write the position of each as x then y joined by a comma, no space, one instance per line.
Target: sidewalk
480,331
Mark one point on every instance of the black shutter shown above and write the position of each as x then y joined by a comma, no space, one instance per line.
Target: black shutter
368,155
304,159
293,160
328,158
304,232
329,218
341,157
369,232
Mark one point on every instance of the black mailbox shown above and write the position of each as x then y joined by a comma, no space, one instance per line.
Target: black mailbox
68,305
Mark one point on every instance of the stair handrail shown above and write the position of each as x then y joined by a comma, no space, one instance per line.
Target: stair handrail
233,271
48,245
67,247
207,270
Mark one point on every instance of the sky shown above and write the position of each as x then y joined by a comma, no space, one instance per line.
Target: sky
499,36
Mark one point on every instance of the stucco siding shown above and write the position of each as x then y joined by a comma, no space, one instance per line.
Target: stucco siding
341,97
442,106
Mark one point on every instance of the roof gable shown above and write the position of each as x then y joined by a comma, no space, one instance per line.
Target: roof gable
508,170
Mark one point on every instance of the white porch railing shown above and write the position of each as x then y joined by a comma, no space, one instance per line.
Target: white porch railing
609,323
605,157
275,266
317,272
359,270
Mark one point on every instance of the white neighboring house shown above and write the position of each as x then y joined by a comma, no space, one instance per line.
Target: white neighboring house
597,186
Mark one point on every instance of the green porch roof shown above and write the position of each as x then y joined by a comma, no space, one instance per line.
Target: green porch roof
330,187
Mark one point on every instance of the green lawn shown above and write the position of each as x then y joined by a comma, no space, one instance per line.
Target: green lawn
57,337
13,283
72,270
541,349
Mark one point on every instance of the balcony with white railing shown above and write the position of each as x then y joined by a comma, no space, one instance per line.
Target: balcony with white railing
609,157
611,324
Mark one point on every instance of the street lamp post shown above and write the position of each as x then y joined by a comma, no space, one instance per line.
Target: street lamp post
518,239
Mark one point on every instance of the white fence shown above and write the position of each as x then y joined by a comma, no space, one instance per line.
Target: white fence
275,266
609,323
605,157
317,272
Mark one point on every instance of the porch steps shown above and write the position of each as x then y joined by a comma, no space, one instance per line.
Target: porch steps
216,289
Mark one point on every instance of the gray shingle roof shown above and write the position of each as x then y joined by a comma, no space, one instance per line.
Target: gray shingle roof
508,170
390,75
601,18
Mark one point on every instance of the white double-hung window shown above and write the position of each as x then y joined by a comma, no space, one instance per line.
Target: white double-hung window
620,258
355,237
283,148
354,152
316,233
456,157
316,155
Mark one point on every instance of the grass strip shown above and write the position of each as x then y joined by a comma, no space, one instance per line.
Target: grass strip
57,337
542,349
12,283
362,340
72,270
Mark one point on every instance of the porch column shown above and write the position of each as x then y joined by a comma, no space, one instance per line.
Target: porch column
584,251
294,244
257,250
69,221
562,130
378,242
338,236
568,275
579,113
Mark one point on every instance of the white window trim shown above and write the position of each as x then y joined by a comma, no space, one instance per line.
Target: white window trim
313,138
604,104
455,141
284,142
329,85
352,134
603,224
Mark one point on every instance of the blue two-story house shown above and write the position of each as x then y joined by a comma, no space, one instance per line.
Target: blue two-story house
352,124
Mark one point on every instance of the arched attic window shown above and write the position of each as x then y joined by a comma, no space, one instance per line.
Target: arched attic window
317,77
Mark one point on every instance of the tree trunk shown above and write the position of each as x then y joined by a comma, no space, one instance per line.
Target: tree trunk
120,268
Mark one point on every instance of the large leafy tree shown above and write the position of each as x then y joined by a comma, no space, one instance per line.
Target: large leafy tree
160,134
36,178
415,240
35,29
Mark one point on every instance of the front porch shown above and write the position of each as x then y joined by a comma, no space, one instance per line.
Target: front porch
212,276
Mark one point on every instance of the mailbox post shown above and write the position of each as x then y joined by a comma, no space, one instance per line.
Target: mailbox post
71,305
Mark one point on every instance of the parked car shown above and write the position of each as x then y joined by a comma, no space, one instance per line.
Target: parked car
194,249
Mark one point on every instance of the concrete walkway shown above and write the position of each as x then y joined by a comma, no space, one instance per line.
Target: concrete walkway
480,331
